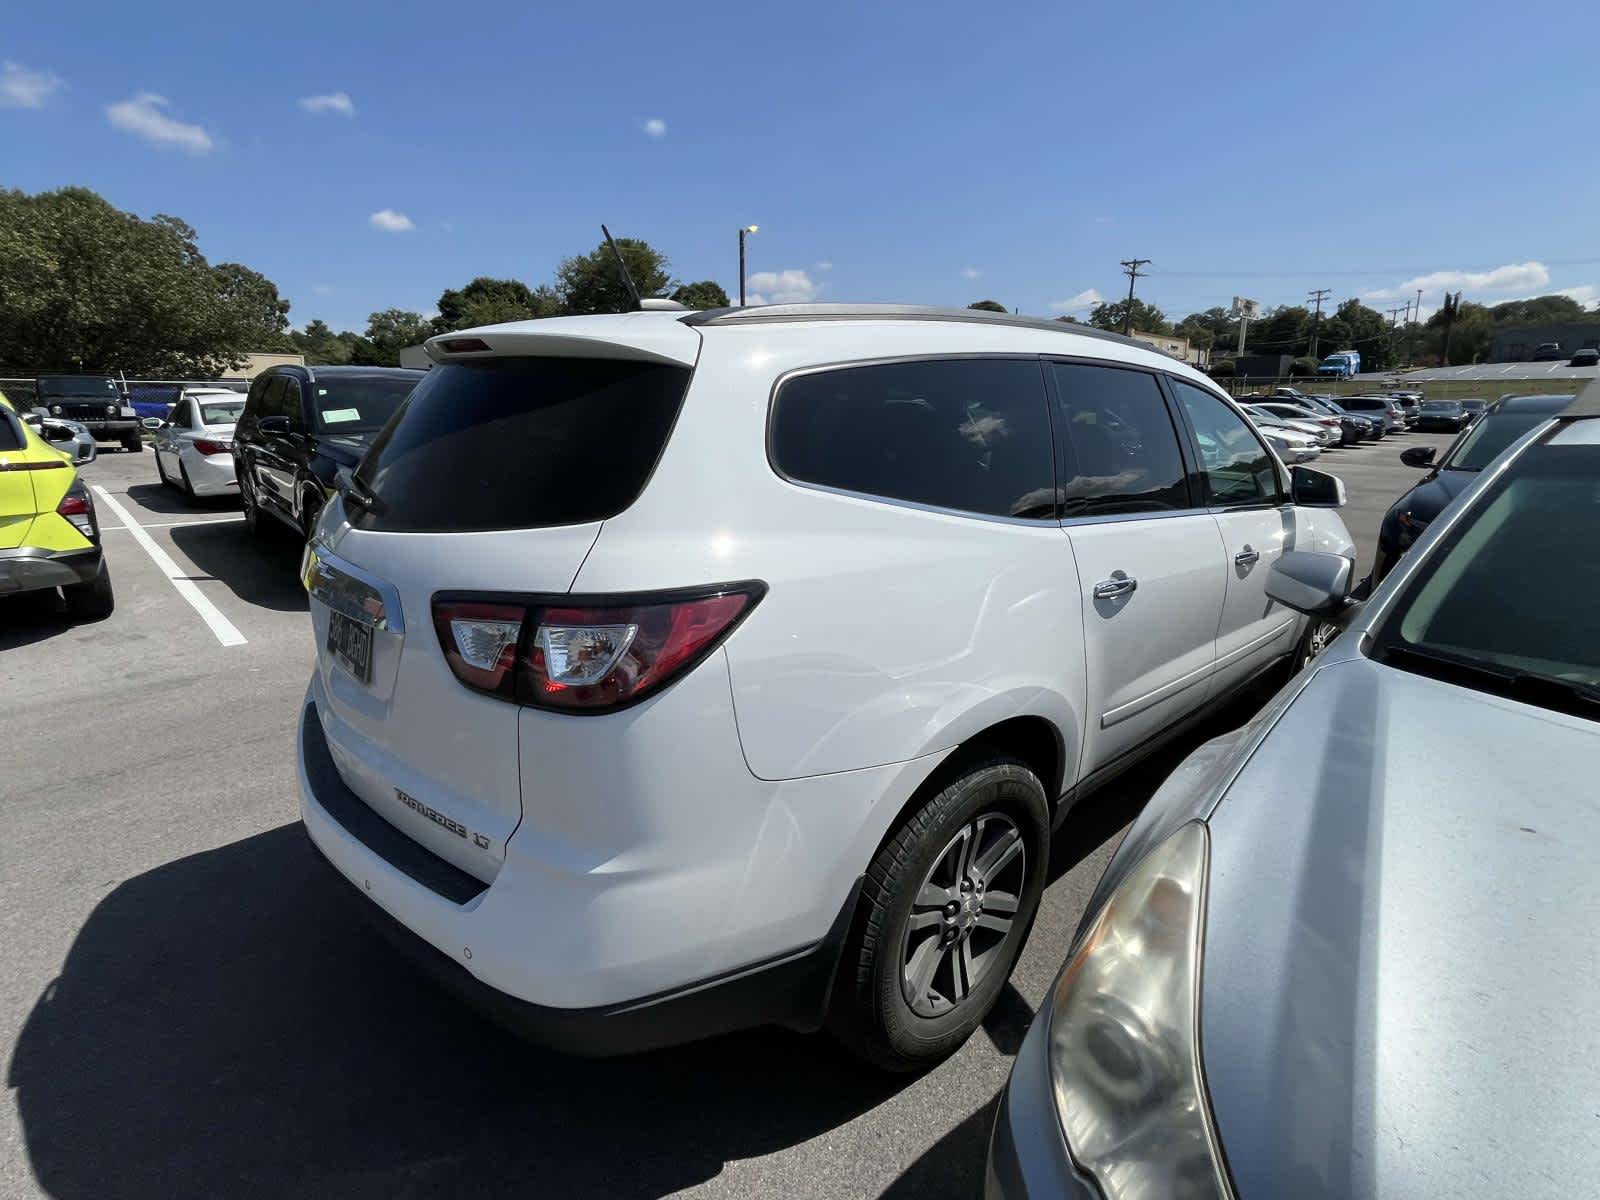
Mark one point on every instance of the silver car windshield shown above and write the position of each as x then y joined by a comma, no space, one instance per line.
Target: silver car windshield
1506,602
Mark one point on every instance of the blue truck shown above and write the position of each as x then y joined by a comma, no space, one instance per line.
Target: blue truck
1342,365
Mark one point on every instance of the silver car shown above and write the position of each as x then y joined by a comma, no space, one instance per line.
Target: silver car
67,436
1348,950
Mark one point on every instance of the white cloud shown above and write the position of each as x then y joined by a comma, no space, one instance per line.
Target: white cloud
1513,277
781,287
334,102
1585,294
389,221
823,264
1087,298
143,115
970,273
656,127
22,88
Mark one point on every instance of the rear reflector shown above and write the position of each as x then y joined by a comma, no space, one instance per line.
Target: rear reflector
579,657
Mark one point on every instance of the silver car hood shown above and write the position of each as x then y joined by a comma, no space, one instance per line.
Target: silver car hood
1401,990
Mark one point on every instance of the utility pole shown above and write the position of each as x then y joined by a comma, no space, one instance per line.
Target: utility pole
1130,267
1394,324
1411,342
1316,321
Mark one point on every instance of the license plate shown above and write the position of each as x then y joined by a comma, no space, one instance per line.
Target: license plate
350,642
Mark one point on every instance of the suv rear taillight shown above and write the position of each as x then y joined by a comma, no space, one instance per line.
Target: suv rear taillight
77,507
579,655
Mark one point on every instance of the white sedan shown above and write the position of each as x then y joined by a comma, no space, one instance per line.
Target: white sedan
194,448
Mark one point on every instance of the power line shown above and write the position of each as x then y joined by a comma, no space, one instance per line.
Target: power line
1354,271
1130,267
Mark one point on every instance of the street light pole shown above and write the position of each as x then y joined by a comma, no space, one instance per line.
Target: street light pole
743,230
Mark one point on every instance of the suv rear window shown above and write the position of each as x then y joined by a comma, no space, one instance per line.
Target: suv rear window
520,443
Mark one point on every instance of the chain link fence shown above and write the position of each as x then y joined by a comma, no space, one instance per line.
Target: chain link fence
149,397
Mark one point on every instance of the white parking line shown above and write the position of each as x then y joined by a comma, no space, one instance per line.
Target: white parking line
181,524
209,613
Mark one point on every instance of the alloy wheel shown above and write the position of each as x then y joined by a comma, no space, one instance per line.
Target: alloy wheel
962,914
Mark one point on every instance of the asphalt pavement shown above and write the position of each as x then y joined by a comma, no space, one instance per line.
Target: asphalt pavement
192,1006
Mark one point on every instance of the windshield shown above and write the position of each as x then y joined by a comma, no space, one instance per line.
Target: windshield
359,403
1488,438
100,389
1470,615
223,412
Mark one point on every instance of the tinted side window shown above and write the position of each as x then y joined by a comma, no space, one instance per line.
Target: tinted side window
252,400
179,417
10,436
291,405
1117,447
968,434
272,399
1236,466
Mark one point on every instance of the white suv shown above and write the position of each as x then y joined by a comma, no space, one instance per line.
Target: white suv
683,672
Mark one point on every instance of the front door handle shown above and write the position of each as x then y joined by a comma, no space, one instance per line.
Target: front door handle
1120,584
1247,557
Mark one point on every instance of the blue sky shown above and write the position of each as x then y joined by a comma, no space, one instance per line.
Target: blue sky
937,153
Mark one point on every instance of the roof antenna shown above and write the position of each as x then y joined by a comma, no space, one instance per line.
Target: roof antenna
622,266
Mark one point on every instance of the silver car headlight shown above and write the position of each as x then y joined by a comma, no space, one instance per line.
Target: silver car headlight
1124,1038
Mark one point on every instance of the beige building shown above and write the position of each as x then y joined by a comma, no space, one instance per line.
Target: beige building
254,364
1177,347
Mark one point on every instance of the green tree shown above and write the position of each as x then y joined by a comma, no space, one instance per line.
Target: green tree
392,330
1354,326
989,306
1214,328
1538,311
488,301
704,294
1282,330
591,283
1470,337
1147,318
85,287
320,344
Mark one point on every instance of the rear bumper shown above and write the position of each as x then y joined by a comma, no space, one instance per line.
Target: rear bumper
210,475
698,921
30,569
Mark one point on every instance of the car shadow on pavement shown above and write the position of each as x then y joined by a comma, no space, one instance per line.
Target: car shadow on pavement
263,571
227,1024
170,502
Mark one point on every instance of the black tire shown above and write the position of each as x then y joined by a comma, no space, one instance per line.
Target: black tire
310,510
92,601
253,520
870,1010
162,471
188,488
134,444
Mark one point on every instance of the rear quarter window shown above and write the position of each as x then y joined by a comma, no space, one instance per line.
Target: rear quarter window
520,443
966,434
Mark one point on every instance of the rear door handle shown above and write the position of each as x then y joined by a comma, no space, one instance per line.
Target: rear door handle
1119,584
1247,557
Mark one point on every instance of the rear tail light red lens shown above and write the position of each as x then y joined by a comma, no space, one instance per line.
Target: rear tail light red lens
575,656
78,508
209,447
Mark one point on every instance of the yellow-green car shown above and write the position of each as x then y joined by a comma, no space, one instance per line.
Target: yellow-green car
49,535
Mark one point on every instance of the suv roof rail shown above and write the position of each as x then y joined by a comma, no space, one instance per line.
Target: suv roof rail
759,313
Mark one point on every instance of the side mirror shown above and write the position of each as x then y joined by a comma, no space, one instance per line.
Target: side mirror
1313,583
151,422
1315,489
1418,456
273,425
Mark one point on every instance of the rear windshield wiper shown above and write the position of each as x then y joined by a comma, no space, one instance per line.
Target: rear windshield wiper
1530,687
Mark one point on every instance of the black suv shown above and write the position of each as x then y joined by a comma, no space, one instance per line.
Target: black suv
299,426
93,401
